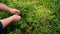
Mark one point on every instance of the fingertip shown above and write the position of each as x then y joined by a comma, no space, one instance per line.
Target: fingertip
19,17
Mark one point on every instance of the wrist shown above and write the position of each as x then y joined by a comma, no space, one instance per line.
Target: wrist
9,9
12,18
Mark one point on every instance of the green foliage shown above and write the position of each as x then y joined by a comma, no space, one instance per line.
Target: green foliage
38,17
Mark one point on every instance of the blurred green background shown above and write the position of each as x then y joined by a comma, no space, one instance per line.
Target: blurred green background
38,17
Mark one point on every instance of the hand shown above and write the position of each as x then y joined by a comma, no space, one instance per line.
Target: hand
14,11
16,17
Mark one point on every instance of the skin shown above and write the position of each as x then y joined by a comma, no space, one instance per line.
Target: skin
10,19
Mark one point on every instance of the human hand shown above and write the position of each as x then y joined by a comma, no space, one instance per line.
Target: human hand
16,17
14,11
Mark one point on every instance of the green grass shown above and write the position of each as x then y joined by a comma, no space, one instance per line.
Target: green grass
38,17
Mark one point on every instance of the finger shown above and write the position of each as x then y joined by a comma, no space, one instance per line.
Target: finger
17,14
18,11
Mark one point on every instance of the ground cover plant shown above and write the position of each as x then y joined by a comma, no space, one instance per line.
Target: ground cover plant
38,17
